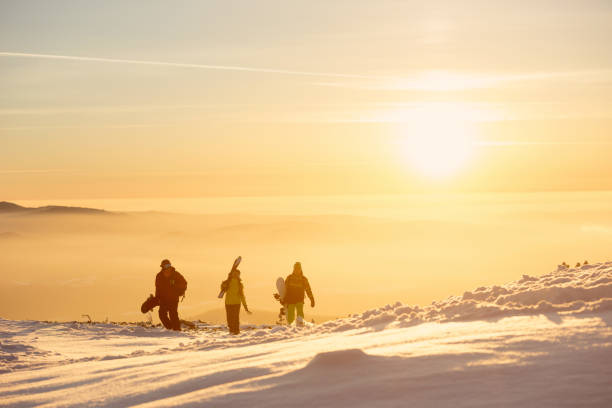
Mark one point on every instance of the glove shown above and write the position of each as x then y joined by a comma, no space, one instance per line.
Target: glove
312,303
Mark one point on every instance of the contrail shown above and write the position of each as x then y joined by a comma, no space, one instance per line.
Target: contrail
197,66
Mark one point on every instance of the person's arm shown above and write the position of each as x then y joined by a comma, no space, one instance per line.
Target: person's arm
243,300
309,292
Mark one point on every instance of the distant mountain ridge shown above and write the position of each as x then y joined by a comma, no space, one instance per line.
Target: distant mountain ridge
12,208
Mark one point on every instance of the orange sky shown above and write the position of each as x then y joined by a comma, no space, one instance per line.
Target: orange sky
150,100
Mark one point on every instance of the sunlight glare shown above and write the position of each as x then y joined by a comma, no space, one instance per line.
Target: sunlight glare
438,146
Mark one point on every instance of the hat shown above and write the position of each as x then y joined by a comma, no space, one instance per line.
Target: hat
165,264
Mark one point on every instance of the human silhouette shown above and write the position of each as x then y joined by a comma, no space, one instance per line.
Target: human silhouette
234,297
169,286
296,285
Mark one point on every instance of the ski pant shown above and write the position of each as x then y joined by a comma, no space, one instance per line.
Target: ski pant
291,308
233,318
168,314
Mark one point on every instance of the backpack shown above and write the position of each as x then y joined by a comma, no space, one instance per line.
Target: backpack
180,290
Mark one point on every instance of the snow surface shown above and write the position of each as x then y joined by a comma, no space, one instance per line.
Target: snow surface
538,342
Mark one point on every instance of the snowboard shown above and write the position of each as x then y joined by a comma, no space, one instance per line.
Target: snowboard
280,295
149,304
234,266
188,324
280,287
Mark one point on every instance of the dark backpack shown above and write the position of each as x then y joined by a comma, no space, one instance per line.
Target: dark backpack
180,289
182,292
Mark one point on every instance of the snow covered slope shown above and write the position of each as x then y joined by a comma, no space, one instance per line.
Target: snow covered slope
538,342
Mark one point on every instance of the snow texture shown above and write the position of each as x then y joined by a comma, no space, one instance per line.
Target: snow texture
537,342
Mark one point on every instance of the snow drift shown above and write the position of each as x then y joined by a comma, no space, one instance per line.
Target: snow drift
538,342
567,291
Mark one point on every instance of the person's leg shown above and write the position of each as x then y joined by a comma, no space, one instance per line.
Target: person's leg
228,317
234,320
290,313
163,316
237,320
230,311
174,317
300,310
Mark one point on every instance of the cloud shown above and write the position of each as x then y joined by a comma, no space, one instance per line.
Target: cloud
106,126
504,143
432,80
597,229
100,109
33,171
447,81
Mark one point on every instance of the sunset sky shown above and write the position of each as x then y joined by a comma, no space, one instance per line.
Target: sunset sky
141,99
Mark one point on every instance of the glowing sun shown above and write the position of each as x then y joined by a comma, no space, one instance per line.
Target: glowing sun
438,147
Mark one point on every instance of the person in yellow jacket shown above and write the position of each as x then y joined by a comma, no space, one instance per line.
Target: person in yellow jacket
296,285
234,297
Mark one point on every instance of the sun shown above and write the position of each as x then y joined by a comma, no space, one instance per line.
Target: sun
438,147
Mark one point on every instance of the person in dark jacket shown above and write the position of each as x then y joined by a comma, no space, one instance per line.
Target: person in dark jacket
296,285
169,286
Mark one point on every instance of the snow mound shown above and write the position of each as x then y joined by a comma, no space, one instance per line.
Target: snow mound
566,291
337,359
